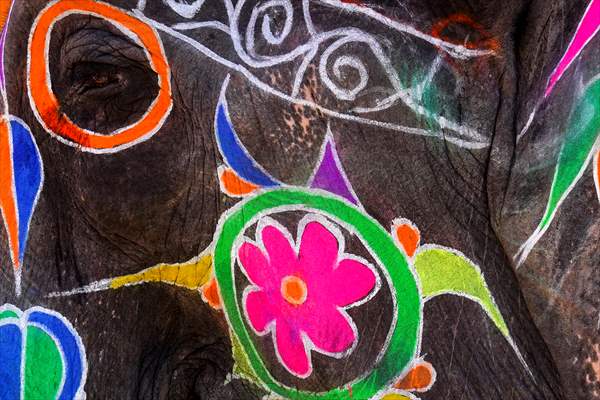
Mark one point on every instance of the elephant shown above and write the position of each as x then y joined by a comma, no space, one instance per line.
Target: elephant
364,127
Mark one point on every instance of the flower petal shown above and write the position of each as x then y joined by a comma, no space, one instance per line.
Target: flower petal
352,281
255,265
330,331
318,250
291,350
256,304
282,256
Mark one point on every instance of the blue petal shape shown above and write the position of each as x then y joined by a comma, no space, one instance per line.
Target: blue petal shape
11,344
72,350
27,172
234,153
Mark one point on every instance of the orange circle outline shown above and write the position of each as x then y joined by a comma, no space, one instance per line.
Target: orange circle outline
44,102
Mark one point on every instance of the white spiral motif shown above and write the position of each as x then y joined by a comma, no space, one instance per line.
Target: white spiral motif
263,12
345,61
332,51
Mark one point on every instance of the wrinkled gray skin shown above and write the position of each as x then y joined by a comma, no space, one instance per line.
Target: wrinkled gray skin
102,216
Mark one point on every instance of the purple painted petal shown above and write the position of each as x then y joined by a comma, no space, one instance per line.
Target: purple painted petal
329,174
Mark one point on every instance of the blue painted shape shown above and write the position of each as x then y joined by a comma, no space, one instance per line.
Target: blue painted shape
236,156
71,347
27,170
11,344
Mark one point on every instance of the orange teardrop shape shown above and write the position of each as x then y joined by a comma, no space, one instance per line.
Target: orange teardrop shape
419,379
210,294
408,235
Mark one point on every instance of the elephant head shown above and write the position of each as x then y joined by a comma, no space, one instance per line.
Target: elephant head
222,197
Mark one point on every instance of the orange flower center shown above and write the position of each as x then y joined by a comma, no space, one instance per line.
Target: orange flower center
294,290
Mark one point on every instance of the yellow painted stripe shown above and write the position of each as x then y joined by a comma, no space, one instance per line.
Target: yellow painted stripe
191,275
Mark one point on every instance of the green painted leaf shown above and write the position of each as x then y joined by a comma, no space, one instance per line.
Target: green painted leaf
445,271
580,145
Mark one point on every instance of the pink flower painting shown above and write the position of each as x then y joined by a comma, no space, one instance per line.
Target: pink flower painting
300,291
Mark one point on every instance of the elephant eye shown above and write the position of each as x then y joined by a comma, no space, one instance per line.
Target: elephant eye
88,77
102,79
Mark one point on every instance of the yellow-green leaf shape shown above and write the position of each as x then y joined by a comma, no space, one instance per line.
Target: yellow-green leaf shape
446,271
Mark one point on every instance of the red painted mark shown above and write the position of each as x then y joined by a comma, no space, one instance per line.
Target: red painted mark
484,41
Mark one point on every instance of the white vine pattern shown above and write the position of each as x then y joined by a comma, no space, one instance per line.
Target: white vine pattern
333,60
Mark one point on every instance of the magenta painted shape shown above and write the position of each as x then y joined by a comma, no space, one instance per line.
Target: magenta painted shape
333,280
330,176
587,29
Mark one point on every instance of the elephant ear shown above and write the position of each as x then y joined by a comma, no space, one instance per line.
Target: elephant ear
580,145
446,271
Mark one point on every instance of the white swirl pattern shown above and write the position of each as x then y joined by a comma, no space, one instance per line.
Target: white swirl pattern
333,63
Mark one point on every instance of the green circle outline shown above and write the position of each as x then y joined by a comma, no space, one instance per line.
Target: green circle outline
405,340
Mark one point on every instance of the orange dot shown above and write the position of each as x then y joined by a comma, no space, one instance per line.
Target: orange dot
419,379
210,294
409,237
294,290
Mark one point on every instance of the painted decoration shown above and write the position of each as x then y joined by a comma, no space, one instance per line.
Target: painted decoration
41,356
283,288
588,27
329,174
232,185
192,275
233,151
293,289
21,176
420,378
404,338
5,10
300,285
44,102
581,146
397,395
324,49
